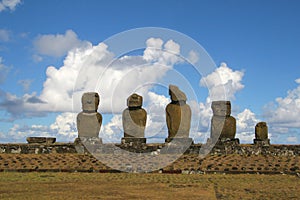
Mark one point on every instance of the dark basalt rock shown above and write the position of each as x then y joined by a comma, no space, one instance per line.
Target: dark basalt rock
41,140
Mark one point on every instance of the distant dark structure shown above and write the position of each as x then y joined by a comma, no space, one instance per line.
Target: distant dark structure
261,134
41,140
178,116
134,120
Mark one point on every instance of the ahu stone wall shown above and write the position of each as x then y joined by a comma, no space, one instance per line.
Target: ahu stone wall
194,149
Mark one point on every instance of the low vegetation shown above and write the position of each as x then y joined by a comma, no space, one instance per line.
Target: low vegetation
48,185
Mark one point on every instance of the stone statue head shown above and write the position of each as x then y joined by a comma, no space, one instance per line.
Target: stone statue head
134,100
176,94
261,125
90,101
221,108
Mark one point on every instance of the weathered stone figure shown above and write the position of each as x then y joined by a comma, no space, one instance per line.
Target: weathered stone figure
178,114
261,131
134,117
261,134
222,124
89,121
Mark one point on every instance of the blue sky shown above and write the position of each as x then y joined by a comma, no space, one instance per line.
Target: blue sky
255,44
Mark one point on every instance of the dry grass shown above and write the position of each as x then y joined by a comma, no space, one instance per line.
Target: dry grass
146,186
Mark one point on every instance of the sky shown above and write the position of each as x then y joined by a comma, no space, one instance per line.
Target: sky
51,52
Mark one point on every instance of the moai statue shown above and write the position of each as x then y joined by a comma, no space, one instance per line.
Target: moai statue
261,134
134,120
89,121
223,126
178,116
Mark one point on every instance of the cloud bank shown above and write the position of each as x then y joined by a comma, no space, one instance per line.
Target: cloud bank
88,67
94,68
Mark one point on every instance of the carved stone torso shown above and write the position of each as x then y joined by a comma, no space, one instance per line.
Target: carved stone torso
222,124
134,117
89,121
89,124
224,127
178,120
134,122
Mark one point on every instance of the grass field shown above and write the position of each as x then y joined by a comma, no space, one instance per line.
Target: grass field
146,186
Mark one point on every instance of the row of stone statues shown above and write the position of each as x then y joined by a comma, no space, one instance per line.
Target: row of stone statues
178,119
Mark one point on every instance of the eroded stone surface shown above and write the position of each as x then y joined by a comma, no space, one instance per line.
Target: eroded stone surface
41,140
221,108
223,126
178,114
89,121
261,131
176,94
134,100
90,101
134,117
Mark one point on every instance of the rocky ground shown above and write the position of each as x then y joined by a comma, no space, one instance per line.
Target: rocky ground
232,163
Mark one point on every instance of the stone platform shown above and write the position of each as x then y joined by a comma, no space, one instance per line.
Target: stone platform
133,140
180,141
187,163
237,158
258,142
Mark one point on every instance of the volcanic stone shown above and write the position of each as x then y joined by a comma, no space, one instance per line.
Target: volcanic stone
221,108
178,114
134,117
46,140
176,94
224,127
261,131
90,101
89,121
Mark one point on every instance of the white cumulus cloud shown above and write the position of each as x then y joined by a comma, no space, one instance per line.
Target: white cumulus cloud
19,133
245,123
9,4
95,68
164,54
223,83
65,127
57,45
285,111
283,115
